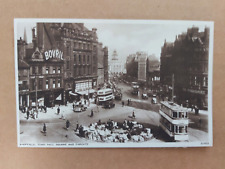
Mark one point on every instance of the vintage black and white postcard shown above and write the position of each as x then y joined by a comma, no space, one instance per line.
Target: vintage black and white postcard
113,83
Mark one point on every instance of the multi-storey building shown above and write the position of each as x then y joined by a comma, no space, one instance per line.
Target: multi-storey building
187,59
46,62
23,74
105,65
100,53
153,73
143,68
63,60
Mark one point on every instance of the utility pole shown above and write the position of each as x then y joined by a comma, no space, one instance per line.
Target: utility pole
36,102
172,87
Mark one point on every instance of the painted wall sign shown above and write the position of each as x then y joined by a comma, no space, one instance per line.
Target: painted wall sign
55,53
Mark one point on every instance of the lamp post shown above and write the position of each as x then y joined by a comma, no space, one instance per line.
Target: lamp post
36,102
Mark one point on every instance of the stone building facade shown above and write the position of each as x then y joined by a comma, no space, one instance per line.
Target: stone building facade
187,59
63,62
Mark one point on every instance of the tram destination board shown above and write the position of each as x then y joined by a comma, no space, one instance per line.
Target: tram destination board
84,83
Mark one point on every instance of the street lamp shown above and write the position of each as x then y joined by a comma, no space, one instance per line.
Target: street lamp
36,102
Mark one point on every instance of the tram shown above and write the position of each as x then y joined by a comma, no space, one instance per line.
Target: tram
174,120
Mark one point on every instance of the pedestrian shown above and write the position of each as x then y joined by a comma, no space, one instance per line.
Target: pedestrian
77,126
44,128
67,124
28,114
133,115
58,110
196,109
92,113
99,122
24,109
85,101
122,103
128,102
73,105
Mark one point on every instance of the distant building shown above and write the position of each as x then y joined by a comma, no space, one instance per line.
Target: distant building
153,73
143,68
100,53
187,59
116,66
106,64
23,82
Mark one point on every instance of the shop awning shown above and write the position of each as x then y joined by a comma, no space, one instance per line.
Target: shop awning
73,94
59,97
85,92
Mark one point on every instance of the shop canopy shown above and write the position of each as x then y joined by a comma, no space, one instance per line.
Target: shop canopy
59,97
73,94
86,92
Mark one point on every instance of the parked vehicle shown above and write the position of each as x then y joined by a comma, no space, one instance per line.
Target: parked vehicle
144,96
154,100
80,108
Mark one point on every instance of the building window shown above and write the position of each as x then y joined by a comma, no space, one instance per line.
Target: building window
79,59
59,70
53,83
88,59
40,70
84,59
47,70
68,50
40,84
53,71
59,82
75,45
74,57
33,70
205,81
32,84
47,84
67,64
195,81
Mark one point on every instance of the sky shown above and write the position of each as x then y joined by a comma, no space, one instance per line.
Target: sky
129,37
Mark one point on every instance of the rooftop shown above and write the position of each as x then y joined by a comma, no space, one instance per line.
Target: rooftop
173,106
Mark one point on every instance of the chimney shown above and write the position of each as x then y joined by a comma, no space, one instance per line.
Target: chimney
33,33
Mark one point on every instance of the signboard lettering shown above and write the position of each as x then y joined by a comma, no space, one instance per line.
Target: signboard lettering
55,53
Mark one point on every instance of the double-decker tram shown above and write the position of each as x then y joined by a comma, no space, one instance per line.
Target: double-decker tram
174,120
105,95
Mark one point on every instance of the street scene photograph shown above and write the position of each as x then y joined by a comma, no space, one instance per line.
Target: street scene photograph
113,83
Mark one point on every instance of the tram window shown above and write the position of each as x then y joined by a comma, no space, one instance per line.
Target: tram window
174,114
182,114
182,129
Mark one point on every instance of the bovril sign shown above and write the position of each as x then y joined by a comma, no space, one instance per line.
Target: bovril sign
54,53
